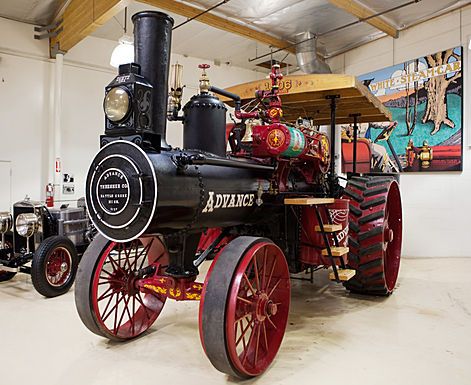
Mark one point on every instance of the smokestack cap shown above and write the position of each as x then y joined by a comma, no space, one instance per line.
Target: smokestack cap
155,14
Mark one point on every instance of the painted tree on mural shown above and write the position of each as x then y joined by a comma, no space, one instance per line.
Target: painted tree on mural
411,116
436,110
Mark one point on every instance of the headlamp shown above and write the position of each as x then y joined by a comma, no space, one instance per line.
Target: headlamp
116,104
27,224
5,222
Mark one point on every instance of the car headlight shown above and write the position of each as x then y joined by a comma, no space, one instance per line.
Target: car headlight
27,224
116,104
5,222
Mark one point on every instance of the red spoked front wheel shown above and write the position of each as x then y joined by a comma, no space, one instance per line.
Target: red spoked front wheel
244,307
106,295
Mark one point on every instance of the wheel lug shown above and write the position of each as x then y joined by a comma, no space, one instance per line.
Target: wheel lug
388,235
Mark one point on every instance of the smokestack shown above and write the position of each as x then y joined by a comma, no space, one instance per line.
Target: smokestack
306,55
152,42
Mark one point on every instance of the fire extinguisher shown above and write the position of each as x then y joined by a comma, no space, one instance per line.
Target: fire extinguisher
50,195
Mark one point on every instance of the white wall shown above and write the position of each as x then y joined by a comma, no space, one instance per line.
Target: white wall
24,108
26,97
436,206
5,190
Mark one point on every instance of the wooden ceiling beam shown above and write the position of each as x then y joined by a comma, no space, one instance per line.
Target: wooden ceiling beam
218,22
81,18
360,11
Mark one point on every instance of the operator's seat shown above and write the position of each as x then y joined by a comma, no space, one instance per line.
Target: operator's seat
364,156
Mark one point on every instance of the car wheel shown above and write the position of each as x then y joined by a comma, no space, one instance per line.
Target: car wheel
54,266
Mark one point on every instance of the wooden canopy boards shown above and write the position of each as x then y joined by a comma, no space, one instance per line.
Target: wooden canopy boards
307,96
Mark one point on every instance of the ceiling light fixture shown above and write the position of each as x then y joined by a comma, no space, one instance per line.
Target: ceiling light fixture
124,51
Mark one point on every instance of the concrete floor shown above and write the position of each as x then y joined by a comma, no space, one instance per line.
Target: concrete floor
420,335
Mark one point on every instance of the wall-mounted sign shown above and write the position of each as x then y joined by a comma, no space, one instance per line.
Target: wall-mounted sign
68,189
68,178
58,165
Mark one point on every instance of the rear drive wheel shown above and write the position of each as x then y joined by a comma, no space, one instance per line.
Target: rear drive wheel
375,234
244,307
54,266
107,299
7,275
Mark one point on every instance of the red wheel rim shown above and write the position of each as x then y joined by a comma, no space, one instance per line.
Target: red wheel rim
392,236
120,309
58,267
257,309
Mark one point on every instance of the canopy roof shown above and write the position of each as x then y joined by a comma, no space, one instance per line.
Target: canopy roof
307,96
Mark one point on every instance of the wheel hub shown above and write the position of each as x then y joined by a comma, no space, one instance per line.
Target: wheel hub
264,307
261,307
131,287
123,282
64,267
55,266
118,281
58,267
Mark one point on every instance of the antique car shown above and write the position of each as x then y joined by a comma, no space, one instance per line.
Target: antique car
44,242
270,207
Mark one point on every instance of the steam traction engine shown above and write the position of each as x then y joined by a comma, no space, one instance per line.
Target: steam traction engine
270,207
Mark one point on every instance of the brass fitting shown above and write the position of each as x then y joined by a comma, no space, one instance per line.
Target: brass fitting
204,80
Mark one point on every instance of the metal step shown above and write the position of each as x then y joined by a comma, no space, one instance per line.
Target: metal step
336,251
308,201
344,274
329,228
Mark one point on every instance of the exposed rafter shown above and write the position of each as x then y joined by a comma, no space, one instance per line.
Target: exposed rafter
218,22
81,18
360,11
